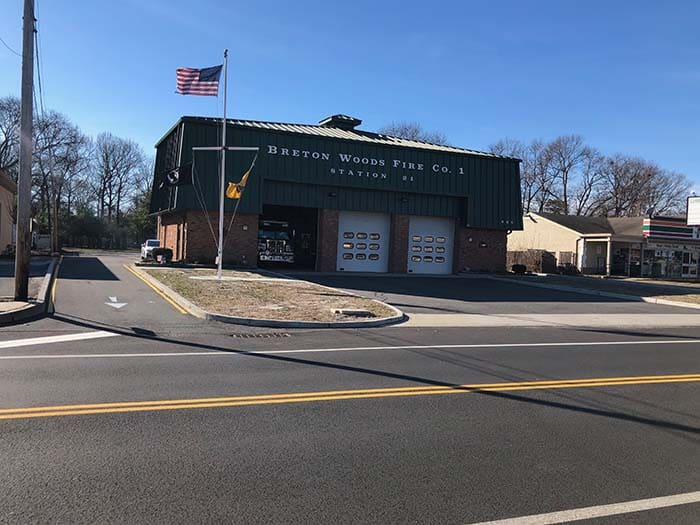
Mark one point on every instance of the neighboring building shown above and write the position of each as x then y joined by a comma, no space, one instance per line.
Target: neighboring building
633,246
8,189
343,199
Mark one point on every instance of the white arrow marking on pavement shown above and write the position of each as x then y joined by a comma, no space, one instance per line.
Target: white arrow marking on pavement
117,305
114,304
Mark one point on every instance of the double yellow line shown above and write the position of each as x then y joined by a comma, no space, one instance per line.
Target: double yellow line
305,397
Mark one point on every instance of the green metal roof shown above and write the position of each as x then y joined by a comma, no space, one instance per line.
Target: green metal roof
337,133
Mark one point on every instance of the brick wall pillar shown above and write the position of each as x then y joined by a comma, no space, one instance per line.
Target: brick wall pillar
327,248
240,245
169,230
398,244
479,250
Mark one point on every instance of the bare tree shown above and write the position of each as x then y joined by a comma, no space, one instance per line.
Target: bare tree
536,174
568,153
116,163
414,131
587,186
60,161
9,134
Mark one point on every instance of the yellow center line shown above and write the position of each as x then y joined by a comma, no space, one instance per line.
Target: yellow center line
386,390
305,397
164,296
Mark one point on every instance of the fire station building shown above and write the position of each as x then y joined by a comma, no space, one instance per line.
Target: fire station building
339,198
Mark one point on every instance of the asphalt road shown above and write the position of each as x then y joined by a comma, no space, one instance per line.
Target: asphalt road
192,421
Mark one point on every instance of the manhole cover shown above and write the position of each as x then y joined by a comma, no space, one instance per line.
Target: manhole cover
261,335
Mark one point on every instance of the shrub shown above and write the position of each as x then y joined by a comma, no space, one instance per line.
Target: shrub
166,254
519,269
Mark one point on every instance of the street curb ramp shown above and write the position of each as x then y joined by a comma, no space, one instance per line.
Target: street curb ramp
193,309
36,308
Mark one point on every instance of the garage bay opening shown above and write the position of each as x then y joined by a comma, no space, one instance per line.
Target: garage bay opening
287,237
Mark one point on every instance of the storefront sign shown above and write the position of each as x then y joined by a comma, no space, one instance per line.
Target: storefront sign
672,247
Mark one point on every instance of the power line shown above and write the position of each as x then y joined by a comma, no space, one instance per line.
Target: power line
38,73
38,58
8,47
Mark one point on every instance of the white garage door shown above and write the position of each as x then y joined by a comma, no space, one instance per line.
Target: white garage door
363,242
430,242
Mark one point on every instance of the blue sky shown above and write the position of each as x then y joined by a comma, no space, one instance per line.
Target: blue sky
625,75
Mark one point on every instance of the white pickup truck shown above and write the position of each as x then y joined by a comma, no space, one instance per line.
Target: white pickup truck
147,248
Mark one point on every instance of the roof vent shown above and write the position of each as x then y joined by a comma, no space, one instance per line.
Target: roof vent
341,122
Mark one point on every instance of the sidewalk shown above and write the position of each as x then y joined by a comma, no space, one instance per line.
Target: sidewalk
688,293
37,270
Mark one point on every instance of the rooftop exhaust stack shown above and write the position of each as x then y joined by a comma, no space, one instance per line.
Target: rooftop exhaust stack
341,122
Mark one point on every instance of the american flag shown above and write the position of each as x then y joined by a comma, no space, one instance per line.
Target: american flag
204,82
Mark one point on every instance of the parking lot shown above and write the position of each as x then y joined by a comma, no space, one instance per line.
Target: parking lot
481,295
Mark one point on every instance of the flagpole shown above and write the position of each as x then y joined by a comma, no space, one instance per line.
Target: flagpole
222,189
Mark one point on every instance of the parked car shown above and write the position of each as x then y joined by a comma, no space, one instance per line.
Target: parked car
147,248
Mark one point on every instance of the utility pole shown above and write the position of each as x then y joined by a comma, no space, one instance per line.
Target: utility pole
24,187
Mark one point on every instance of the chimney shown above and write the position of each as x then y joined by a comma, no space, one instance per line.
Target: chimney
340,122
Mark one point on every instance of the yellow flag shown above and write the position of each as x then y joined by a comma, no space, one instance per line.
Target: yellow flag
235,191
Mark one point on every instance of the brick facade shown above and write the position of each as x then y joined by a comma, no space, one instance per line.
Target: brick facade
479,250
189,237
327,248
398,244
171,232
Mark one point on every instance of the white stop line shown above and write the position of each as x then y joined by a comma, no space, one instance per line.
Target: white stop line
82,336
600,511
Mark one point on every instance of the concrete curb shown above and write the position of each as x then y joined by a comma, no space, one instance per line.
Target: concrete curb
196,311
36,308
297,274
599,293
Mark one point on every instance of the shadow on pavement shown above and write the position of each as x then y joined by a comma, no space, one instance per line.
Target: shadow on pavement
613,414
457,289
85,268
36,268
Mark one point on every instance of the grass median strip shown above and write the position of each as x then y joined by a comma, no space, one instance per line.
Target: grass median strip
278,299
304,397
